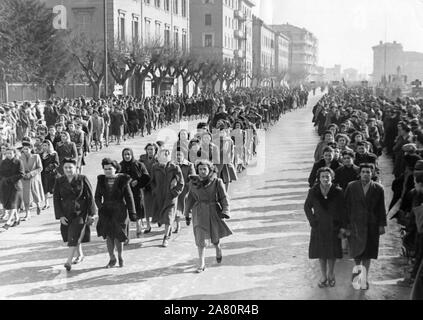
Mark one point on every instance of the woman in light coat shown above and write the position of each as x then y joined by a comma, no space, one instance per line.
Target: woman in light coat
33,191
206,194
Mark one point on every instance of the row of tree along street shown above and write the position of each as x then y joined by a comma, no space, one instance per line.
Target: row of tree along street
33,51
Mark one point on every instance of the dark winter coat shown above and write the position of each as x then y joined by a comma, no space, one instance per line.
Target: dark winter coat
326,218
187,169
11,174
50,164
365,214
167,184
138,172
344,175
113,207
147,191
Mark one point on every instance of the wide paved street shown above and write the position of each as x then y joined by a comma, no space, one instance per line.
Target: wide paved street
266,258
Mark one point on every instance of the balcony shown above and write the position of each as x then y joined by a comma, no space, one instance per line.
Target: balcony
240,15
239,34
239,54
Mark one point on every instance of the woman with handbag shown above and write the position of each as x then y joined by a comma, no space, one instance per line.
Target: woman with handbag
326,213
209,203
75,208
50,162
114,199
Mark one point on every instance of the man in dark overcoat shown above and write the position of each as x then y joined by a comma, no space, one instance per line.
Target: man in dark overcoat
366,216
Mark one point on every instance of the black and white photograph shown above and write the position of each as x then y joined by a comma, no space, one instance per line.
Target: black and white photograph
211,151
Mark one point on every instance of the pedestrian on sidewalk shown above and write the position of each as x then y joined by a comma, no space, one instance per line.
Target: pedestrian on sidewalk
11,174
75,208
33,191
167,184
366,217
114,200
326,213
209,204
139,179
149,159
50,163
187,169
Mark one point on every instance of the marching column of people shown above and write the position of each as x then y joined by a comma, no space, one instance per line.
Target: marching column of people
190,180
346,203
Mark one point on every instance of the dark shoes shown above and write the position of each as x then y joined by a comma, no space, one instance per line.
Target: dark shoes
322,284
68,266
120,263
147,230
111,263
78,260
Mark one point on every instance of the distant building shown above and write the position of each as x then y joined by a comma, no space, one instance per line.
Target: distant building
350,75
222,29
333,74
303,50
264,53
390,59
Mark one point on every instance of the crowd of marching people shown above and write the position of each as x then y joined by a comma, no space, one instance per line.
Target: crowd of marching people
44,149
346,202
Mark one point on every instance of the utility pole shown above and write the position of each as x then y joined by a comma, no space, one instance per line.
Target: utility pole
106,62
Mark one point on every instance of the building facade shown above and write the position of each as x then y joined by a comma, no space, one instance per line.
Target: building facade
281,53
390,60
264,53
333,74
303,54
222,29
155,22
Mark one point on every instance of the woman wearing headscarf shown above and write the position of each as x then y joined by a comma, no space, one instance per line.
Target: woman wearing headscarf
114,200
11,174
139,179
33,191
75,208
167,184
50,162
149,159
209,204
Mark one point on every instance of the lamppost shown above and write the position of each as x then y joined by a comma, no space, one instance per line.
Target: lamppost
106,62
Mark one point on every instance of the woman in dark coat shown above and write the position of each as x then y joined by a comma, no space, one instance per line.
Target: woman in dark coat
117,122
167,184
187,169
139,179
50,162
75,208
149,159
114,199
66,149
206,193
11,188
325,211
327,161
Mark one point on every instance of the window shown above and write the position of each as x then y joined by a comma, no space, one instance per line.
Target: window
157,3
184,41
166,5
175,6
176,38
135,30
208,40
167,36
158,30
147,2
147,29
121,27
208,19
184,8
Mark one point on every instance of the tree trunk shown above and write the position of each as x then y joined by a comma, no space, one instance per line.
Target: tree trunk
184,86
221,84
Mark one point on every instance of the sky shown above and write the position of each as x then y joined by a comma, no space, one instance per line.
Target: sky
348,29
